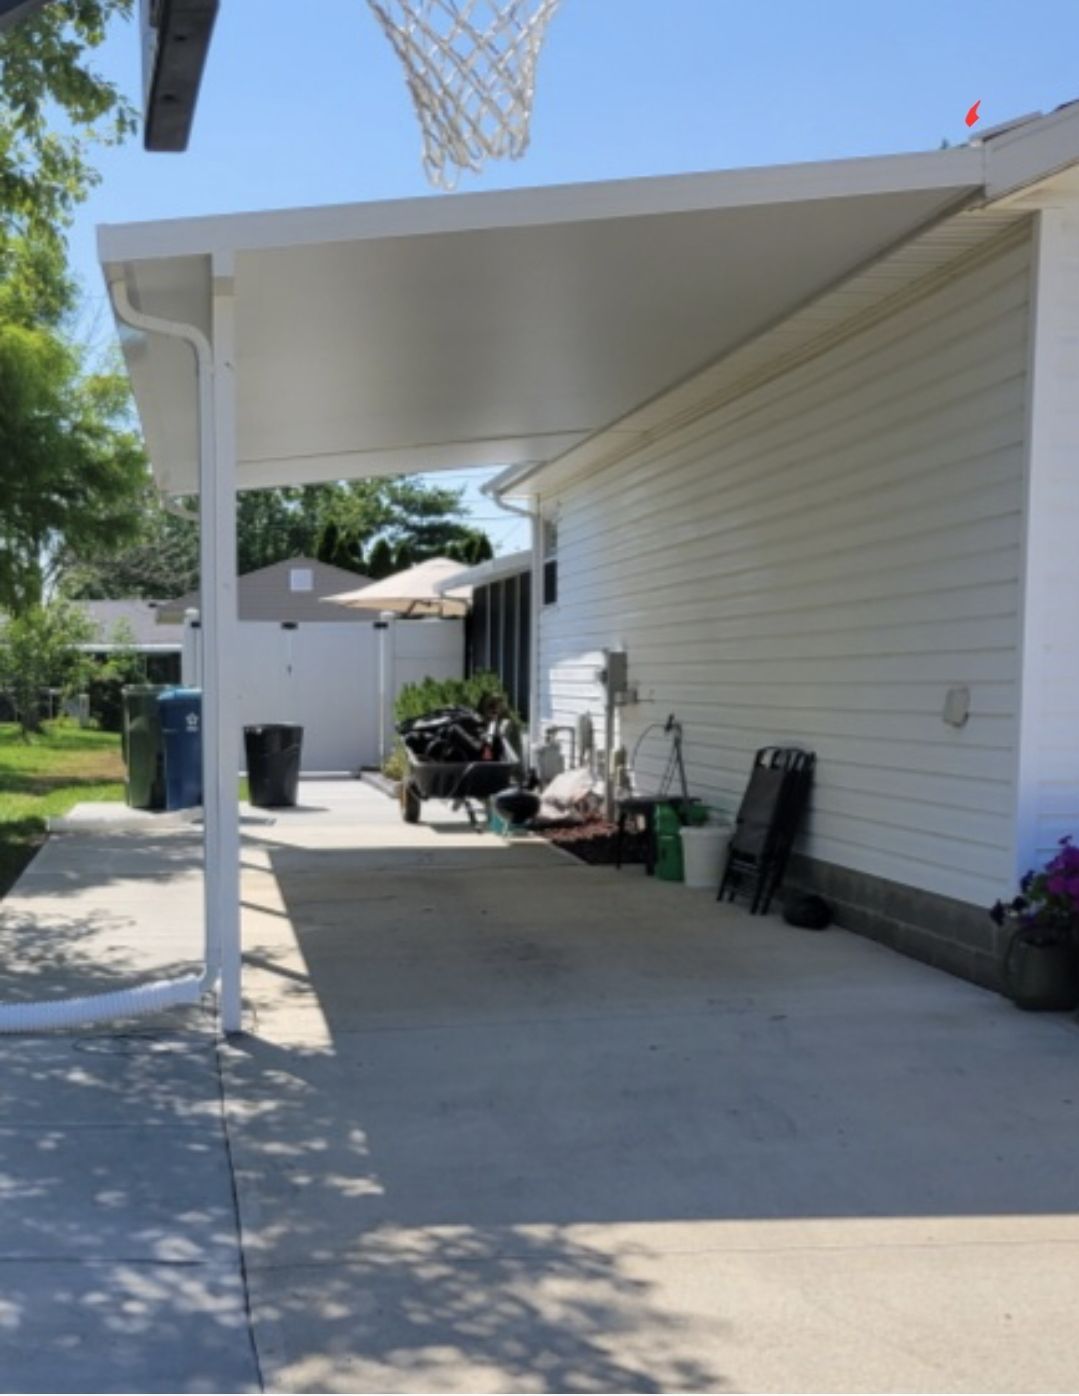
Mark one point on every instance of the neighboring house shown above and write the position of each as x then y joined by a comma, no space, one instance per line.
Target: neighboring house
160,645
293,590
857,533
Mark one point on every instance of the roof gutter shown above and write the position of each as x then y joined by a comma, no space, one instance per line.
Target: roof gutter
506,479
1029,151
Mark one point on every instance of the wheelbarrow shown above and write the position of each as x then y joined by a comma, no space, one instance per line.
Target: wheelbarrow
460,782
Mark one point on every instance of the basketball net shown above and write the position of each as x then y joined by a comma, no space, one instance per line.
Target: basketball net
471,69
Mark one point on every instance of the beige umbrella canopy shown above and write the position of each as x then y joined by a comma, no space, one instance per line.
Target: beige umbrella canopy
413,592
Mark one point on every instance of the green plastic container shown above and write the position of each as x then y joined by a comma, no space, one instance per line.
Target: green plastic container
144,747
669,863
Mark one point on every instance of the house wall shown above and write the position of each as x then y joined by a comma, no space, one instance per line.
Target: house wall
1049,753
817,563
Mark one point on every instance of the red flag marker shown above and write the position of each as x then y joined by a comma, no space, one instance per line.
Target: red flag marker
973,114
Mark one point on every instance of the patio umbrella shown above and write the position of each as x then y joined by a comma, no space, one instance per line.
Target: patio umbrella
413,592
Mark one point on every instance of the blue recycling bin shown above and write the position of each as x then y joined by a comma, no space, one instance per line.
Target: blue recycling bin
180,711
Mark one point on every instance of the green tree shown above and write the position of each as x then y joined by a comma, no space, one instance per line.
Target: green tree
161,563
472,548
71,464
38,651
125,664
343,521
373,527
54,105
73,469
380,560
335,549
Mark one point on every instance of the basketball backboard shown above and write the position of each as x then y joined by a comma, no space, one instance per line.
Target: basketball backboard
12,11
175,41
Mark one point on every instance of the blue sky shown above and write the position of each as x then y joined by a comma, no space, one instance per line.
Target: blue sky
304,102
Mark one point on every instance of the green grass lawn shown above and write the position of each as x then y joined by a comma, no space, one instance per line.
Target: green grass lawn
47,775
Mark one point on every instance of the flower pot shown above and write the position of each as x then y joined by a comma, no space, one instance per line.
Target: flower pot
1041,972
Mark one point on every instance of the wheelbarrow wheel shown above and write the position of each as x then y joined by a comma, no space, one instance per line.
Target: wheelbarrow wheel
410,803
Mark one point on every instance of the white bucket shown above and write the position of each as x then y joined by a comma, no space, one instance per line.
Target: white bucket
704,847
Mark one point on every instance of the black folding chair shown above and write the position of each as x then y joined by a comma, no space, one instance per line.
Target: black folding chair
766,824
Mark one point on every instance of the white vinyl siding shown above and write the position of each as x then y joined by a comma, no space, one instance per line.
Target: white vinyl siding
1049,793
816,563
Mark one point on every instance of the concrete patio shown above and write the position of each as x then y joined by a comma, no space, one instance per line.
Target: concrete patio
504,1122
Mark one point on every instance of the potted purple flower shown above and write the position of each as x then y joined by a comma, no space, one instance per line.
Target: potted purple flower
1040,966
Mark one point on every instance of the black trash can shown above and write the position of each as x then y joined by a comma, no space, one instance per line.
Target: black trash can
273,763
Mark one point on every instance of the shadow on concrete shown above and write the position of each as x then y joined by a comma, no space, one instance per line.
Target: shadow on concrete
118,1250
498,1115
92,914
474,1067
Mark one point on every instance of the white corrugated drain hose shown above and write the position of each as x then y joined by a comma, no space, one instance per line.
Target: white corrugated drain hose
100,1008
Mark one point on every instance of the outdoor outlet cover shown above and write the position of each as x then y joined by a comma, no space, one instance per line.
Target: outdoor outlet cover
957,706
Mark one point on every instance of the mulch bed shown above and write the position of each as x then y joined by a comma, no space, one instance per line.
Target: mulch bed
594,842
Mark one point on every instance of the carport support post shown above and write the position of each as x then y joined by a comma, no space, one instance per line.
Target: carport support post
217,565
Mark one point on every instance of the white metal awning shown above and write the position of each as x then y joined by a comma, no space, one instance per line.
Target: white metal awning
493,329
505,328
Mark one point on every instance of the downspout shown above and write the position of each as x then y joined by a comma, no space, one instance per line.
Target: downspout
535,602
204,365
154,996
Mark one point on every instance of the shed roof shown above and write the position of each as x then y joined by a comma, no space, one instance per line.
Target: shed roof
284,591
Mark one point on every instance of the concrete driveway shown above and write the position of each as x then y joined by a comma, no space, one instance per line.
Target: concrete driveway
504,1122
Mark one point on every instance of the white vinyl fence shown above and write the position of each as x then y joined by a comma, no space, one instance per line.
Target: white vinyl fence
333,677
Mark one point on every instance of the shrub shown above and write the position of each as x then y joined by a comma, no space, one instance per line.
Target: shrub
38,651
418,699
106,701
395,766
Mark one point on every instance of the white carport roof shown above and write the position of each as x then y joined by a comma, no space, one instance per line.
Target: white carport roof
500,328
497,329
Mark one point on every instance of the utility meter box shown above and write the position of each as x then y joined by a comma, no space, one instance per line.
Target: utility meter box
616,671
615,678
